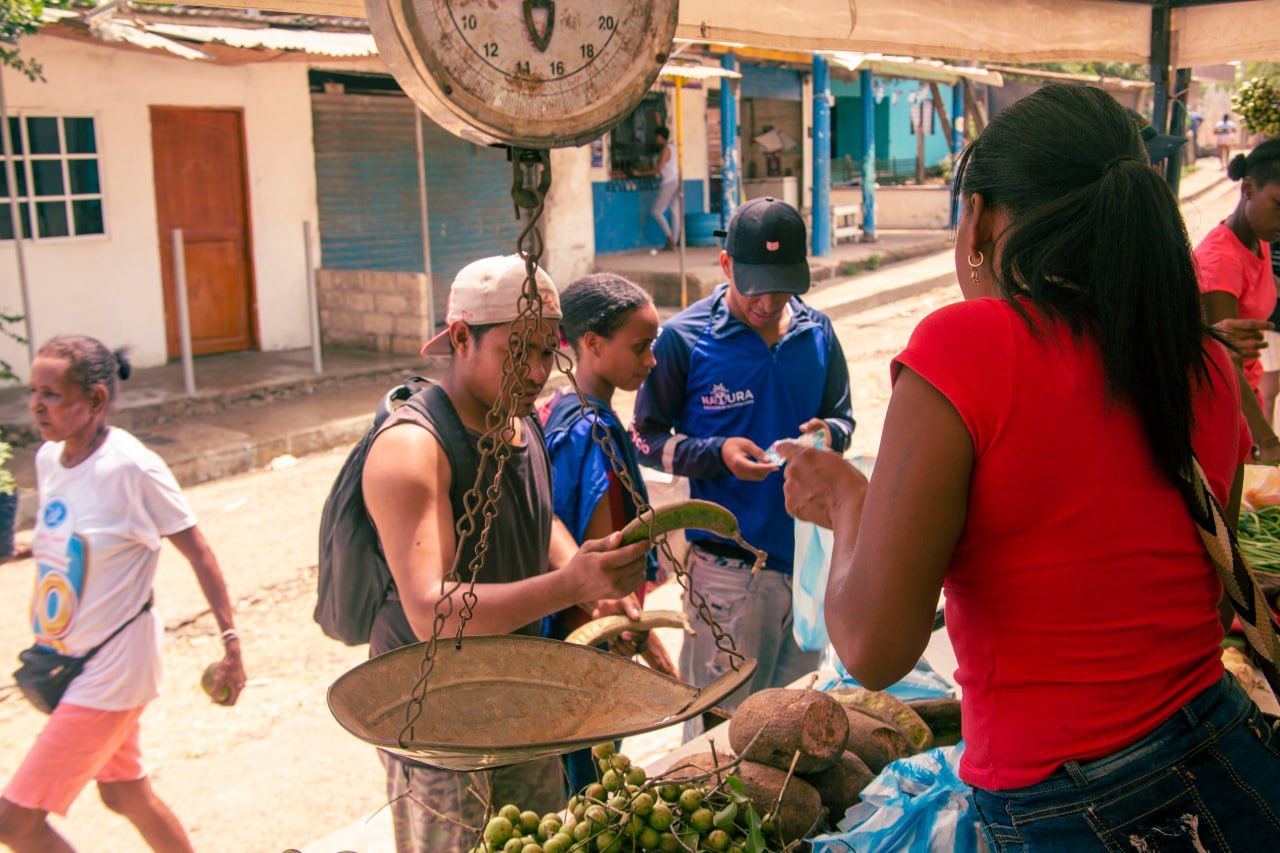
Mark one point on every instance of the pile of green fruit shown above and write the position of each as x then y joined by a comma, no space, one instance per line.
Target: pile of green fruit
692,809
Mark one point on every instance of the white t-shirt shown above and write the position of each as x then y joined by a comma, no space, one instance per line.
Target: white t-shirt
96,546
670,172
1224,129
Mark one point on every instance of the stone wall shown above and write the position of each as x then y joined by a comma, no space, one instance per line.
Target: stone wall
379,311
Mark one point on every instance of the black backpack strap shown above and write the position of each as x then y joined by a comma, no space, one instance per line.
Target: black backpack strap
434,404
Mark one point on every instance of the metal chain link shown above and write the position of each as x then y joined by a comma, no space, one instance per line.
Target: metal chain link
533,179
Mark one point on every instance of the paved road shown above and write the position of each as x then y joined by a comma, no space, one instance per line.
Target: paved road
276,771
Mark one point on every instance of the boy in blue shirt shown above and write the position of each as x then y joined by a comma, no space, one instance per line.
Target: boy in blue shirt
747,366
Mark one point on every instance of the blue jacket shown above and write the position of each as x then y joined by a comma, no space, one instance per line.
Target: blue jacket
716,379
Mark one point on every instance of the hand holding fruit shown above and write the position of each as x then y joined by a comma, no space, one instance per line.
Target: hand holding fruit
604,568
224,680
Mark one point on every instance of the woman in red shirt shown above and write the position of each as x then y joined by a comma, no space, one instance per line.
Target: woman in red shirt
1029,466
1233,263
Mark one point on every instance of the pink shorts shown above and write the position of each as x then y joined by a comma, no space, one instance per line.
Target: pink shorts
77,745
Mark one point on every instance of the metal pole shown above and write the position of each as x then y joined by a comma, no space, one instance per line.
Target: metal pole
956,138
184,317
868,157
1178,126
728,143
684,282
1161,47
313,298
16,220
821,156
426,224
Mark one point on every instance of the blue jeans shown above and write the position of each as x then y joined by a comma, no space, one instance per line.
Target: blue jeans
1207,779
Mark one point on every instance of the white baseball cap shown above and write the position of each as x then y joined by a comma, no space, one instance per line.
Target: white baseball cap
488,291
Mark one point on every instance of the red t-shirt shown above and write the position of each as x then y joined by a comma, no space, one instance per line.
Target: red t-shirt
1080,600
1224,264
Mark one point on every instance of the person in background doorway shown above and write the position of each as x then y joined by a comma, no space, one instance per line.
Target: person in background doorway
1076,382
1233,264
1194,120
1224,136
667,170
106,502
611,324
747,366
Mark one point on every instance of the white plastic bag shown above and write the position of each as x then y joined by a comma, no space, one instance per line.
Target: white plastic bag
809,585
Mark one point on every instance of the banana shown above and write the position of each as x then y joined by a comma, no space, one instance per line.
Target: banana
611,627
695,515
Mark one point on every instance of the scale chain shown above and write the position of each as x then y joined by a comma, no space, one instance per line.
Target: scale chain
533,179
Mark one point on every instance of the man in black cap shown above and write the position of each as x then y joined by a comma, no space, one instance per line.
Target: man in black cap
737,371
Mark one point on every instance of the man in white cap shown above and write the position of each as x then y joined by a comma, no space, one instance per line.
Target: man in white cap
417,471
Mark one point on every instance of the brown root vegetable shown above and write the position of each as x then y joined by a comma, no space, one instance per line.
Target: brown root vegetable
777,723
841,783
942,716
800,808
696,766
875,742
888,708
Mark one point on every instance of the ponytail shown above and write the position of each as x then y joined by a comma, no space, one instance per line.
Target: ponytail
1262,164
1097,241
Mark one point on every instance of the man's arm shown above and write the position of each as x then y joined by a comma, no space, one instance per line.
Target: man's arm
406,490
836,408
658,404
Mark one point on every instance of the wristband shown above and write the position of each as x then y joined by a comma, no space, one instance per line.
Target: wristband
229,635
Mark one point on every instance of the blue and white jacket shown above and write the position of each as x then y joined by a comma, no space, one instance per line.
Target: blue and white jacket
716,378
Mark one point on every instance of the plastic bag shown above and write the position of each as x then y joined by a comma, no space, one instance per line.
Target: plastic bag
916,805
923,682
809,586
1261,486
810,568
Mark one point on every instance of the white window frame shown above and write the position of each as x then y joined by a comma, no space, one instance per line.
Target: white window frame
63,157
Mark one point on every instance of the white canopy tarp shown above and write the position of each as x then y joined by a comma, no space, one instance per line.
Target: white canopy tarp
982,30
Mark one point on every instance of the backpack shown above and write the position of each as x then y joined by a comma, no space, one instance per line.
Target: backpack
354,578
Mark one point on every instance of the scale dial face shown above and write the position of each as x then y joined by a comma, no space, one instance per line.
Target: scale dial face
529,73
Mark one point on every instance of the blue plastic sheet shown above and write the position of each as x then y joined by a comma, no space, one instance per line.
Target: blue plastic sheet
923,682
916,805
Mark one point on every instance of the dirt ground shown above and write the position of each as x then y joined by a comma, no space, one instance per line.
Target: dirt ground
276,771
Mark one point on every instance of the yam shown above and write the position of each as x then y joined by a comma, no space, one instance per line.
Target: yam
776,724
841,783
800,808
942,716
696,767
875,742
888,708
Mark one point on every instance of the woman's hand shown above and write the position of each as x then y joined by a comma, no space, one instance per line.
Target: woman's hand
1245,336
817,483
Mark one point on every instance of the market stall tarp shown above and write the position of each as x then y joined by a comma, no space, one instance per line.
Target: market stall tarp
983,30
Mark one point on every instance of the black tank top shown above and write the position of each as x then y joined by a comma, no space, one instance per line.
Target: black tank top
521,533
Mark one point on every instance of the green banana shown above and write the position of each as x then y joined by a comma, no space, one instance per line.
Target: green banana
700,515
695,515
611,627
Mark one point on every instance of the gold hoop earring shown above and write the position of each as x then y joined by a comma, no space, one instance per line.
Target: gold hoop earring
974,265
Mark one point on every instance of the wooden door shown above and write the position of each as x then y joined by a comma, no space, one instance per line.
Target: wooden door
201,188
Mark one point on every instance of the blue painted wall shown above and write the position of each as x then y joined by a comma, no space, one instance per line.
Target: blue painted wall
894,139
759,81
622,213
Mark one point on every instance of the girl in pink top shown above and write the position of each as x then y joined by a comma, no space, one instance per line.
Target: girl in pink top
1233,263
1030,464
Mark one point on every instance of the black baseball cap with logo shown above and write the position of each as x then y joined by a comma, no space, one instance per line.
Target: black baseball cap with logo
769,245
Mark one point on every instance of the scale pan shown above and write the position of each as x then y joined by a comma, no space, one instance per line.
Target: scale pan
506,699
